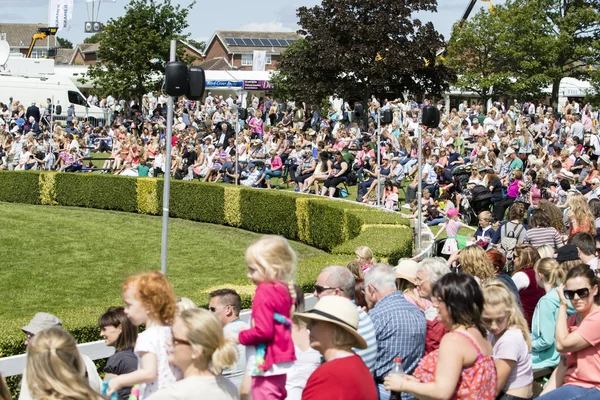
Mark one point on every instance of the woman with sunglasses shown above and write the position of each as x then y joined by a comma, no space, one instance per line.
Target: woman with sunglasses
199,349
577,339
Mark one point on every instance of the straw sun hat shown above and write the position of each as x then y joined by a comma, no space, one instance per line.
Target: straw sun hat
338,311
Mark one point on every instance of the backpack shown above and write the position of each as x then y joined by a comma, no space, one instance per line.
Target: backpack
508,243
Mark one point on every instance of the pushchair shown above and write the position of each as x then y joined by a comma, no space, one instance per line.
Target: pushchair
461,174
473,202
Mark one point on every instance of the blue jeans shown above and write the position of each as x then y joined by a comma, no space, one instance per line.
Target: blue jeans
436,221
571,392
269,174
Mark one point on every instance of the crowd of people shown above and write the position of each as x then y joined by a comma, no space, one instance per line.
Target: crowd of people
432,329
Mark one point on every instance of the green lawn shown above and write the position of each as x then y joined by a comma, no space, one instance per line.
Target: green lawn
73,261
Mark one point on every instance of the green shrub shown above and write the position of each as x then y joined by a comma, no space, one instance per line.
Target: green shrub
20,187
272,212
106,192
48,189
388,242
330,224
373,216
233,216
149,196
197,201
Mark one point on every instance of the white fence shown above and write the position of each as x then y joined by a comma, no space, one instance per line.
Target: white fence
15,365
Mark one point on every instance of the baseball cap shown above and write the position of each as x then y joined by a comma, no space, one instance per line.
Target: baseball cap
40,322
509,151
452,212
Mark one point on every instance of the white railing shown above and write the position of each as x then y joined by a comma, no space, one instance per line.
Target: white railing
15,365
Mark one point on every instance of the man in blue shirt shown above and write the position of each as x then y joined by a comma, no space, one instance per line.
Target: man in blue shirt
400,326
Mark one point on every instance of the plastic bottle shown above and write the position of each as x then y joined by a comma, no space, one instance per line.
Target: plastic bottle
396,370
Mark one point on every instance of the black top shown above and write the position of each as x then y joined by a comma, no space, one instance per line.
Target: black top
497,192
121,363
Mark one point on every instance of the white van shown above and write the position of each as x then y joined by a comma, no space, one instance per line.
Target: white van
29,87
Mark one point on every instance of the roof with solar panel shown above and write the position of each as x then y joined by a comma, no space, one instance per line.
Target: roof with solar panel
243,42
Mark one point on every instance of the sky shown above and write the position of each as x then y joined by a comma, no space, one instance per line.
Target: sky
208,16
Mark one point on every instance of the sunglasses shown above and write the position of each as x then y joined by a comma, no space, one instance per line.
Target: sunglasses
581,293
320,289
179,341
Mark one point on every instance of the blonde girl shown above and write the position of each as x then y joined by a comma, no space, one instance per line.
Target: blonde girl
54,368
580,216
150,301
365,257
509,335
549,274
270,350
200,350
474,261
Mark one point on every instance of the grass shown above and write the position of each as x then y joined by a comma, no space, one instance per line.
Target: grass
72,262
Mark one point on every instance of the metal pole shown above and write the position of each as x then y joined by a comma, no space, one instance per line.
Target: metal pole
237,156
420,181
167,173
378,156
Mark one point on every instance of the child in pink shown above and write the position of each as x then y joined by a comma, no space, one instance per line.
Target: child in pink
452,226
270,349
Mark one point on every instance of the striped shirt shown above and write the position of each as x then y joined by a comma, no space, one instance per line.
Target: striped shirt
400,330
367,331
538,237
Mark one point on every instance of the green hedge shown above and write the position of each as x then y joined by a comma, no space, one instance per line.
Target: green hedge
197,202
106,192
20,187
268,211
389,243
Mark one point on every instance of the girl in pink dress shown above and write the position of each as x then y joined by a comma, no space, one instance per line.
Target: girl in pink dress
452,226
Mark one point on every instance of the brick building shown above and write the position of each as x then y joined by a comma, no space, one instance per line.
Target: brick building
237,47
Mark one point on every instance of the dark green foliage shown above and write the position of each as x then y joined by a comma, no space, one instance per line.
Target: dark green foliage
329,224
198,202
20,187
270,212
97,191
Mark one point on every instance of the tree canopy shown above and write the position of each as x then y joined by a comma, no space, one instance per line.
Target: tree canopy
95,38
199,45
353,49
134,48
527,45
64,43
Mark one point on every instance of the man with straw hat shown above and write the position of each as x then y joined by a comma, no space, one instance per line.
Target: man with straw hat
333,324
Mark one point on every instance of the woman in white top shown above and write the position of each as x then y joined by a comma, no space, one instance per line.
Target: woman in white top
199,349
321,173
307,358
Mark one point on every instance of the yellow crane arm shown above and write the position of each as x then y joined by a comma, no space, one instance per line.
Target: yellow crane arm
42,34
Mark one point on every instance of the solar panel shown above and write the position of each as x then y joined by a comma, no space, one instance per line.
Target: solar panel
256,42
230,41
247,42
265,42
290,42
282,43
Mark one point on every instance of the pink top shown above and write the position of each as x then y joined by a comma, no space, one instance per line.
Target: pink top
583,366
271,298
513,189
258,125
536,194
477,382
276,163
452,227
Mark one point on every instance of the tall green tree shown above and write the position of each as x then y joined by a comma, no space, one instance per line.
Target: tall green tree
135,47
547,40
356,48
95,38
199,45
64,43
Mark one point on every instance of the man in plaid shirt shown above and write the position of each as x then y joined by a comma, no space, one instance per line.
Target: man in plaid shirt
399,326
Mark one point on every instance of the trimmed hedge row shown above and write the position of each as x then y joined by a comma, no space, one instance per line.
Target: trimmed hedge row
322,223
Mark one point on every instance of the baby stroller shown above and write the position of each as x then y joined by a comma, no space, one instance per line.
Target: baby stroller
461,174
473,202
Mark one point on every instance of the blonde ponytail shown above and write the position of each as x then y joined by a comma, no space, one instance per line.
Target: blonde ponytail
292,290
552,272
224,356
205,331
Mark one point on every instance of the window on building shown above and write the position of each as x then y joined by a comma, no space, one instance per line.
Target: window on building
247,60
39,53
268,59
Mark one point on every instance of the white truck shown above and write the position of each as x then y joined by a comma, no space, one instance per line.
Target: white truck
33,81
